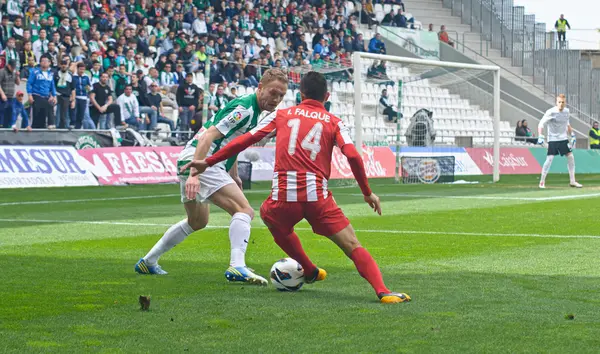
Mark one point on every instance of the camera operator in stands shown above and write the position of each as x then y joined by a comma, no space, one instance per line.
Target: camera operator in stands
420,131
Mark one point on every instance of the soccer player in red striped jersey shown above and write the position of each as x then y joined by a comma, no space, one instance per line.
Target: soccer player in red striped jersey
306,136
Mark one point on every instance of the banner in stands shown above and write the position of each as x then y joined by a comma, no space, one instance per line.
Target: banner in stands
513,161
263,162
76,138
42,166
423,43
463,165
379,162
132,165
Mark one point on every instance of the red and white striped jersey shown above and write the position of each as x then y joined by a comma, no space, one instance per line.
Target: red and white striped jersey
306,135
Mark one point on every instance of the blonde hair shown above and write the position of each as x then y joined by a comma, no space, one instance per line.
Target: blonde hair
561,96
272,75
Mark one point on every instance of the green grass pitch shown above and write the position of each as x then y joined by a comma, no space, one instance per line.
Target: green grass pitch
490,268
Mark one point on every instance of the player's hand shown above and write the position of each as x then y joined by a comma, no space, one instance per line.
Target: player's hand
238,181
540,140
373,201
199,165
573,141
192,186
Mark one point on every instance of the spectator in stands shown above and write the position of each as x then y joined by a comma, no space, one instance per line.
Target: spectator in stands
42,94
376,45
10,52
400,20
388,19
140,92
386,108
65,96
130,109
431,28
82,85
102,105
188,95
18,110
9,79
368,14
594,137
156,104
348,45
524,133
561,29
443,36
219,100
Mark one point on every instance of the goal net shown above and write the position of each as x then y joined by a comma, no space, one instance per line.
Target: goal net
440,119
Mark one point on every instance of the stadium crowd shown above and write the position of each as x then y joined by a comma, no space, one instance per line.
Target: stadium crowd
82,60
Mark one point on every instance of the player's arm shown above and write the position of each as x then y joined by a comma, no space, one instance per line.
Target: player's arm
547,117
205,141
569,130
344,141
233,172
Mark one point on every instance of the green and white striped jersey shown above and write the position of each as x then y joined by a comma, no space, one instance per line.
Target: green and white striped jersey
237,118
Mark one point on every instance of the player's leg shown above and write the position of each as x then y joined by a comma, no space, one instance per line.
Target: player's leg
571,167
282,229
329,220
366,265
230,198
548,163
197,218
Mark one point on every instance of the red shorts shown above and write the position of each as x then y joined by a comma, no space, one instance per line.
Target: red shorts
325,217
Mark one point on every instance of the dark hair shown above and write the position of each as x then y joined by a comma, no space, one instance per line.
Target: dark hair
314,86
80,65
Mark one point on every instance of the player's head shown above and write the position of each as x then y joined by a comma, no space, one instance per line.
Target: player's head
271,89
313,86
561,102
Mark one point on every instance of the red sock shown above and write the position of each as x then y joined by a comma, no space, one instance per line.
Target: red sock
368,269
291,245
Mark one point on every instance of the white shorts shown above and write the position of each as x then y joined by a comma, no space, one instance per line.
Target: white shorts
211,180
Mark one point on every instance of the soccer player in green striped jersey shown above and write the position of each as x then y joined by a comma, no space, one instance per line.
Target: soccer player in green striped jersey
220,184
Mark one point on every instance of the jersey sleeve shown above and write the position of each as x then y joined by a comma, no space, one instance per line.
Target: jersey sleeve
240,143
547,117
231,120
265,126
342,135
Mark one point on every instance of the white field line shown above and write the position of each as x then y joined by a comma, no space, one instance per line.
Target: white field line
489,197
33,202
400,232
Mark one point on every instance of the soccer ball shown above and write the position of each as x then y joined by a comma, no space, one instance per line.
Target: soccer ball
287,275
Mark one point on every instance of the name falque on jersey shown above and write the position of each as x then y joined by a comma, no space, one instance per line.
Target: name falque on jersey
308,114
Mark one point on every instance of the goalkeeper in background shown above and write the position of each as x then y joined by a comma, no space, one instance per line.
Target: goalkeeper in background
559,131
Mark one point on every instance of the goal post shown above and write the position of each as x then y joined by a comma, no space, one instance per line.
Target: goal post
463,102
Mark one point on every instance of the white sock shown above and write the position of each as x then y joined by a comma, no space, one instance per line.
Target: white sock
174,236
546,167
571,166
239,236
